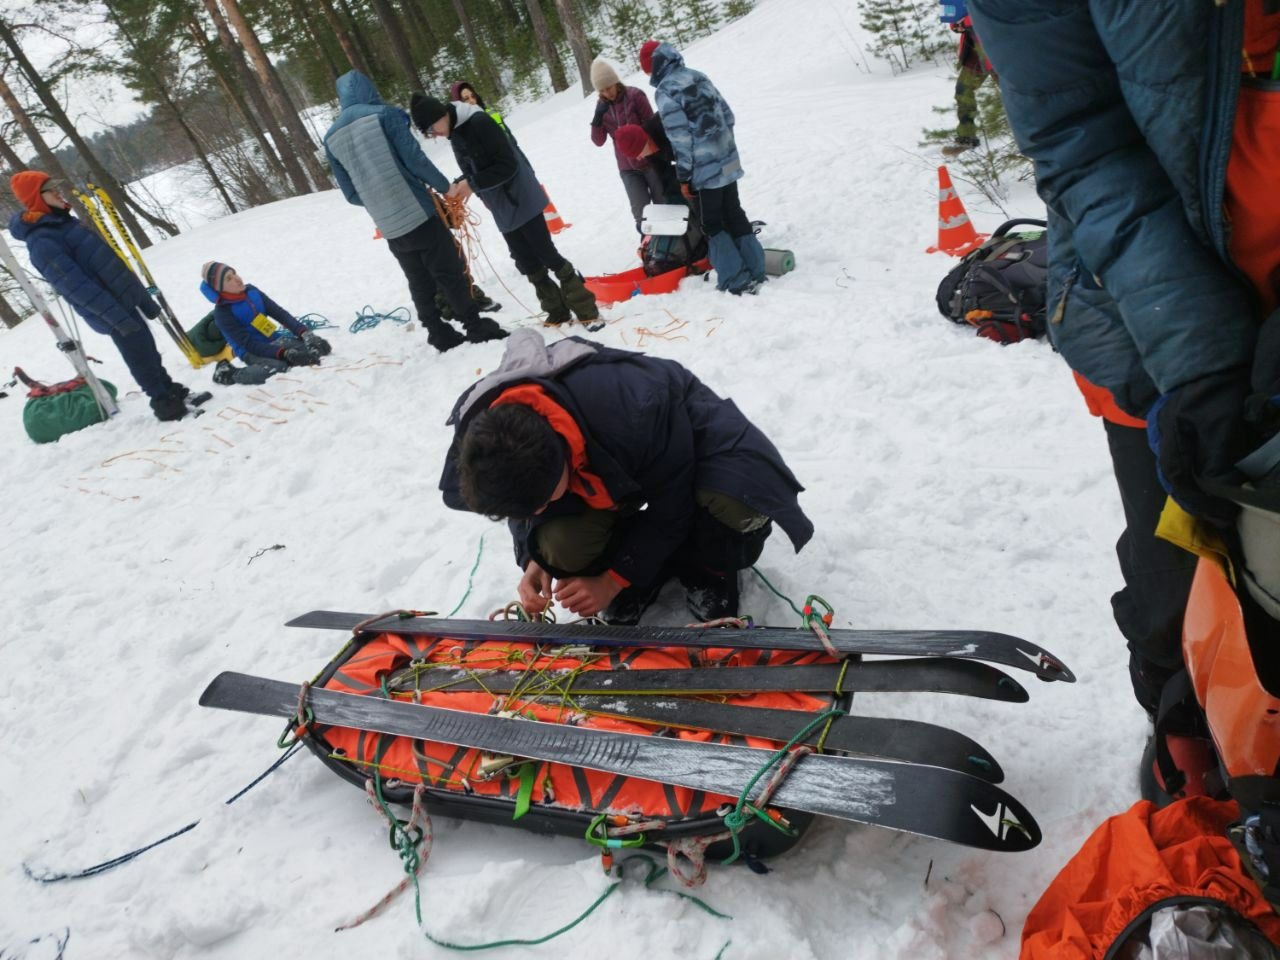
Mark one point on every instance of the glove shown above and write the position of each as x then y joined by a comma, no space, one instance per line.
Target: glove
297,355
686,191
149,308
601,106
316,344
1197,433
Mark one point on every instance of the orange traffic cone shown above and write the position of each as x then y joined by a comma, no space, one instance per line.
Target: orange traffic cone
956,235
377,233
554,221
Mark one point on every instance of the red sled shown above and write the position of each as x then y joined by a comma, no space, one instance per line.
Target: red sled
613,287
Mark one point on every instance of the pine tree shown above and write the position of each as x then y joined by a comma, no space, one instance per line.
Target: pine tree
631,23
996,160
906,31
738,8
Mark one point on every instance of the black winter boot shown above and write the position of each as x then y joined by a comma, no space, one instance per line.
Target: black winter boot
580,300
482,329
179,391
168,408
550,299
224,373
710,596
442,336
629,605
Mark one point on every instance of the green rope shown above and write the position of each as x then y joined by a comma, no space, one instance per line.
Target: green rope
368,318
736,819
776,591
470,577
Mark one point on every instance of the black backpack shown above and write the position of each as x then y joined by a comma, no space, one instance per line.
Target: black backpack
999,288
662,253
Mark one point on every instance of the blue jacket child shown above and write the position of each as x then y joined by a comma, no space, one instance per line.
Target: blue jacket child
260,332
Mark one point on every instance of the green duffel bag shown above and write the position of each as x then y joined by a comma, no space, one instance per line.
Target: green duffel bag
53,412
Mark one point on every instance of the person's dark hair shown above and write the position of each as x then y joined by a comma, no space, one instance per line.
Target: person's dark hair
510,463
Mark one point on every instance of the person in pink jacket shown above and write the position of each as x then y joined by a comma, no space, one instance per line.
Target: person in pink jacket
618,106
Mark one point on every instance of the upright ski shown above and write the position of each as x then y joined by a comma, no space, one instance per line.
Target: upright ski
926,800
66,343
966,644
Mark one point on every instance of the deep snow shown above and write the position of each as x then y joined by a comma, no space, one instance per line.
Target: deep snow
954,484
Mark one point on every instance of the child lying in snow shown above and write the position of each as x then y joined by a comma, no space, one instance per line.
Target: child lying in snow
260,331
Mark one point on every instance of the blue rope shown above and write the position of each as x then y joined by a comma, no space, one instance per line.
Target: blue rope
316,321
368,318
124,858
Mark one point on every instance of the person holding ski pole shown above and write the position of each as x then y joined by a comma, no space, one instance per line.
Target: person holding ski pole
86,272
617,471
497,171
699,124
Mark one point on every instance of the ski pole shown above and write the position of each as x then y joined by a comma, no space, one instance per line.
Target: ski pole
168,319
66,343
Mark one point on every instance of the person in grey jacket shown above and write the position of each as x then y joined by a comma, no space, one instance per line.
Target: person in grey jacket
699,124
379,165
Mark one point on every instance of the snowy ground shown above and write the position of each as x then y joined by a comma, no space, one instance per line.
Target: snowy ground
953,483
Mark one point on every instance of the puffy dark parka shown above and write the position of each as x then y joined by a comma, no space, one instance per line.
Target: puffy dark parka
1127,110
84,270
654,434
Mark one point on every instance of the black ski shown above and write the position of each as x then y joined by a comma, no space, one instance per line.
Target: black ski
926,800
909,740
966,644
927,675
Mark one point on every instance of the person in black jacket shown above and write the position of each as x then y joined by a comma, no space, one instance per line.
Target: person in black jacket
616,472
497,171
88,274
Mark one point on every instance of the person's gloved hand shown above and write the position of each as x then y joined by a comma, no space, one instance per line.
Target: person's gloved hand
1197,433
686,191
150,309
601,107
297,355
316,344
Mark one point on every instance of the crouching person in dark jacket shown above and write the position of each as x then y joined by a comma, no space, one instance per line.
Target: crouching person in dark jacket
260,332
497,171
102,289
616,472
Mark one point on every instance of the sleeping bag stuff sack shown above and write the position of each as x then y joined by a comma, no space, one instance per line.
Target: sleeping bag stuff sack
1155,884
208,339
539,796
51,412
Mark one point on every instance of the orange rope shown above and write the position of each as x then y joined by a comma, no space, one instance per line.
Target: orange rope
453,210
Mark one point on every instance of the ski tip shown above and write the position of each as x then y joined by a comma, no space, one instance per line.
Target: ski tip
1050,669
1010,828
212,696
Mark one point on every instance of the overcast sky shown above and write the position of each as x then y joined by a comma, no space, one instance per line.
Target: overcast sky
93,105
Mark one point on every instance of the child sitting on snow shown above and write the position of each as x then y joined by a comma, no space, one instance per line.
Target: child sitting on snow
261,332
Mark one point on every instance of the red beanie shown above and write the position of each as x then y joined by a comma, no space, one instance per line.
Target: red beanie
27,187
646,55
631,140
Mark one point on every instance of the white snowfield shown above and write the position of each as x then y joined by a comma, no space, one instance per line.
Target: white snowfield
954,483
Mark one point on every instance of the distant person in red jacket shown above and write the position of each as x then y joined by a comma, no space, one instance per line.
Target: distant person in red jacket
618,106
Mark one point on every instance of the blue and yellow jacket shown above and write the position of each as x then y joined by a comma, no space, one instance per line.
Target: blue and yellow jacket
253,326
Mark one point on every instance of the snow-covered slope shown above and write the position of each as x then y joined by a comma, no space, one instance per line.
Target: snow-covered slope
953,483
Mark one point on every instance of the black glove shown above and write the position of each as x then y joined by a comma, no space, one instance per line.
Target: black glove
150,309
1197,433
601,107
316,344
297,355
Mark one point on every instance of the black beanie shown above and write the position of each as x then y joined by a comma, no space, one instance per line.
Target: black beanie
426,110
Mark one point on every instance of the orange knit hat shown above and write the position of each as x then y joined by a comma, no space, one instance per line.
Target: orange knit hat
27,187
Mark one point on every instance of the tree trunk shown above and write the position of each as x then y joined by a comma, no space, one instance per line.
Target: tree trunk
349,49
547,46
158,88
487,75
237,100
8,316
13,163
102,176
399,45
48,160
578,41
303,16
250,86
427,42
357,35
510,12
276,95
